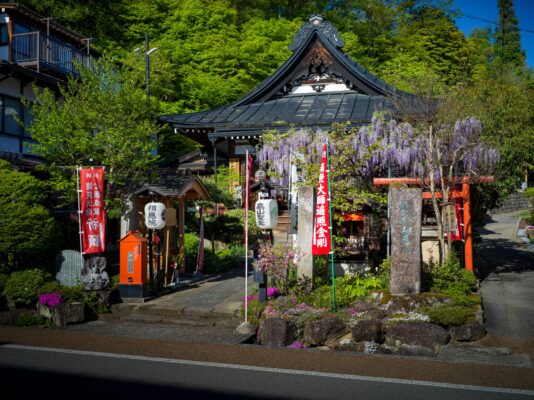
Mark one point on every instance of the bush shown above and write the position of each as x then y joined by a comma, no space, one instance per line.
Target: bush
23,287
28,319
27,230
191,250
348,290
254,310
447,315
452,278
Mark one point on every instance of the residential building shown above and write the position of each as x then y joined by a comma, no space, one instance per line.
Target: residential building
35,51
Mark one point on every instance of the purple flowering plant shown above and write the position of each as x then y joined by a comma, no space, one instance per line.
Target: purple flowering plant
278,262
50,299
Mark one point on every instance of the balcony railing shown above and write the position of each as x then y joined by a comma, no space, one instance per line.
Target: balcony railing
34,49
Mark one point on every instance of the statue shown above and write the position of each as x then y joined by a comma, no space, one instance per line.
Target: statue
93,275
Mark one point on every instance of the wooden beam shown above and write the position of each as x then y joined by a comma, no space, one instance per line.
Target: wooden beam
426,181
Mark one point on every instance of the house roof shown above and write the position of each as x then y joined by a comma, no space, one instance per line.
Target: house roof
173,185
318,84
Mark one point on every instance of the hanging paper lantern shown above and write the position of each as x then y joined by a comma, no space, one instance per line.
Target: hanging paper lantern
266,213
155,215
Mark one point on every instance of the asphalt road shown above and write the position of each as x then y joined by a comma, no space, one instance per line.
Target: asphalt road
47,373
507,271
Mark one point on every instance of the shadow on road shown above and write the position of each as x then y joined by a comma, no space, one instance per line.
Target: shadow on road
54,385
501,255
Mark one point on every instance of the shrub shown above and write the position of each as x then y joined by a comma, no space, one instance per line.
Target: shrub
51,287
29,319
191,250
452,278
27,229
277,261
23,287
254,311
348,290
447,315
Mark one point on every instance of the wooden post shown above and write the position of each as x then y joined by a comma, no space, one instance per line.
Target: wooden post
181,241
468,250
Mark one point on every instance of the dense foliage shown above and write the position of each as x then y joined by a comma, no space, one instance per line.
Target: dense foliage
27,229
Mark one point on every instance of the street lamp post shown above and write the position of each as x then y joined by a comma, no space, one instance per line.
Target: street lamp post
148,52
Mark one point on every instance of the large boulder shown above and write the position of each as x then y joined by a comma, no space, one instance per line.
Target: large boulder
324,331
68,313
367,331
276,332
428,338
468,332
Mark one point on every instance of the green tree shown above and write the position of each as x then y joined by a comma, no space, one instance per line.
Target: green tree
507,37
505,108
101,120
26,229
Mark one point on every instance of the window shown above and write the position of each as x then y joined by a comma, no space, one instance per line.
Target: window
4,35
12,109
9,144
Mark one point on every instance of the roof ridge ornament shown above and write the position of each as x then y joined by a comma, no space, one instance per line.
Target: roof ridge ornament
316,22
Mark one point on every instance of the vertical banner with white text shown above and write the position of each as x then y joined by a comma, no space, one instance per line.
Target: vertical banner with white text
321,243
92,214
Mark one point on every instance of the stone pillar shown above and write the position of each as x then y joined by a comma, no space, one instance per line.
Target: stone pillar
306,211
406,211
129,217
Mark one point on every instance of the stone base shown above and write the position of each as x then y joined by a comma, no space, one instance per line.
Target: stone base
133,290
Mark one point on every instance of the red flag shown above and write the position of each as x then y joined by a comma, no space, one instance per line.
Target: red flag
321,231
93,217
457,233
200,257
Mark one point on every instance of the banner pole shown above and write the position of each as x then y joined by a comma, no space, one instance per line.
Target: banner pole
330,227
78,190
247,183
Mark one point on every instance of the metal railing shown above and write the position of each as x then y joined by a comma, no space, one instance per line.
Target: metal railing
41,51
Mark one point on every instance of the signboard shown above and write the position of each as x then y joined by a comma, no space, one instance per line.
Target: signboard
92,214
266,213
406,211
321,243
170,217
155,215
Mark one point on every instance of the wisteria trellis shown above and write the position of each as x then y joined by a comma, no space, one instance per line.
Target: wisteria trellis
455,151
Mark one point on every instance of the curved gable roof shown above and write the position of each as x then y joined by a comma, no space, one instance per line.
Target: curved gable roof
317,60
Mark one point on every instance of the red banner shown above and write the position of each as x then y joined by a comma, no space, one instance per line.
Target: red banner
457,234
93,217
321,231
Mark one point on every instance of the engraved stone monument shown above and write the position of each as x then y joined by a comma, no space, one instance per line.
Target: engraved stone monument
406,208
68,266
306,211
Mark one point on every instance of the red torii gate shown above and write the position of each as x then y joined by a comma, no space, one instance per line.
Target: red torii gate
464,194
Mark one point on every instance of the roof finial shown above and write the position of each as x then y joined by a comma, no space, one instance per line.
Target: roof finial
316,19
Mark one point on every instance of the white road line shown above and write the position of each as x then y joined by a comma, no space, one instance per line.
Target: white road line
277,370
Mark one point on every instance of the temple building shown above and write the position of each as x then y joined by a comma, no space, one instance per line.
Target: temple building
318,85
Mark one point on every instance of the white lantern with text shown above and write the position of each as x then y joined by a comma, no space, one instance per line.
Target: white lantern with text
266,213
155,215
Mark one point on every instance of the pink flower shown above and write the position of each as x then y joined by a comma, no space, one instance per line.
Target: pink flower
50,299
